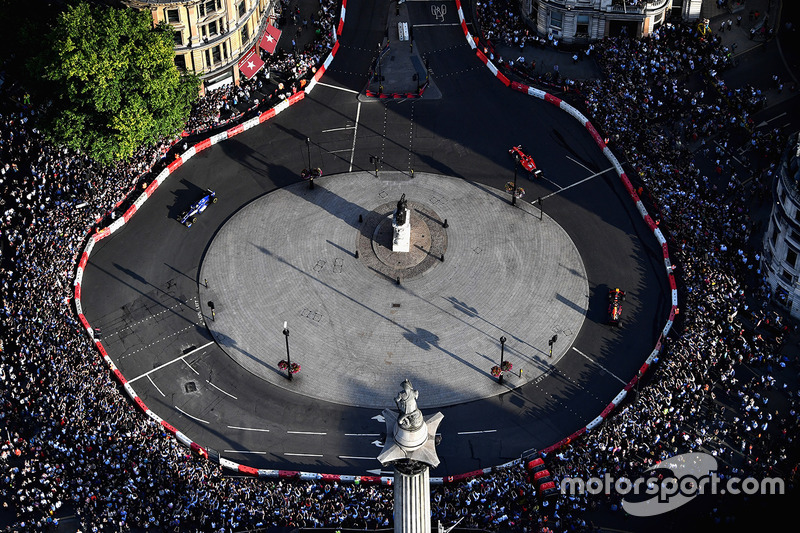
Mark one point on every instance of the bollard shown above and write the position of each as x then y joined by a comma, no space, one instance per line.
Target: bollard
356,254
445,225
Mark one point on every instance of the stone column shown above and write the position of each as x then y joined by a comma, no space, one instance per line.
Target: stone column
411,448
412,497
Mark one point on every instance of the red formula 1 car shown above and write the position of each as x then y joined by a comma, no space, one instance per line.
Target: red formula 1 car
525,161
615,299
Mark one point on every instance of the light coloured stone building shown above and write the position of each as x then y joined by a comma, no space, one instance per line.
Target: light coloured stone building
211,35
579,21
780,262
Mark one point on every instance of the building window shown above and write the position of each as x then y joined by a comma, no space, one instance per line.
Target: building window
786,276
245,33
173,16
180,62
791,258
209,64
209,7
242,8
774,237
211,29
556,19
177,37
583,25
215,54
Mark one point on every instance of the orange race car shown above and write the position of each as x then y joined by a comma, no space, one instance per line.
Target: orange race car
526,161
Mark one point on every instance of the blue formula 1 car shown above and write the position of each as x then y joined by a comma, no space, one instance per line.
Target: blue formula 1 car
190,217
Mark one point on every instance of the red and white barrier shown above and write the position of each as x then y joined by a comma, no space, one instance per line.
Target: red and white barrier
542,95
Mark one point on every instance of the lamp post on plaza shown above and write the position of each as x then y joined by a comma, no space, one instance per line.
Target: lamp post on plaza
310,170
514,190
288,360
502,354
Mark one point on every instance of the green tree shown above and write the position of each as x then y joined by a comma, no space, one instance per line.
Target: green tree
111,83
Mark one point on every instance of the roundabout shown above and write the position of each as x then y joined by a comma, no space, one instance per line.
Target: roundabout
290,256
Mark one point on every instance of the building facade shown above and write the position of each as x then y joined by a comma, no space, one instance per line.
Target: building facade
211,35
580,21
780,261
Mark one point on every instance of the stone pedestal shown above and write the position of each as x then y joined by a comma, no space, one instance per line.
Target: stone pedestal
412,498
401,241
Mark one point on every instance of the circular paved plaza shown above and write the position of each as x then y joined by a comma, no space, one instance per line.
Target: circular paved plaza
290,256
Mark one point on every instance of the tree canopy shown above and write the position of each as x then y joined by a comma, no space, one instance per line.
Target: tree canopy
110,81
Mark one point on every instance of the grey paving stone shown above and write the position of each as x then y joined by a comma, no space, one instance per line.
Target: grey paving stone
290,256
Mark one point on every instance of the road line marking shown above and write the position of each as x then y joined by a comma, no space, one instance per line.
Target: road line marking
222,391
345,89
579,163
191,367
601,366
362,434
355,134
156,386
190,416
357,457
244,451
248,429
578,182
337,151
306,433
170,362
303,454
338,129
475,432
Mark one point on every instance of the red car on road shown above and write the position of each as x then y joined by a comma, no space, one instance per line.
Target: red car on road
526,161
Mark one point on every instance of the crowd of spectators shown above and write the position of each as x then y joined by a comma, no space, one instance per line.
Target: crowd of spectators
73,441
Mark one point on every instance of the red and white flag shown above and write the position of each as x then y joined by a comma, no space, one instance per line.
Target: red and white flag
270,38
250,63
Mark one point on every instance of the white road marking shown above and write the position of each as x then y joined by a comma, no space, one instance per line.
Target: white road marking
579,163
357,457
337,151
191,367
245,451
190,416
156,386
338,129
362,434
441,24
476,432
222,391
355,134
170,362
601,366
345,89
303,454
247,429
306,433
578,182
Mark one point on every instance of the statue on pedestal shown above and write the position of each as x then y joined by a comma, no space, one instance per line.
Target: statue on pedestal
406,400
400,212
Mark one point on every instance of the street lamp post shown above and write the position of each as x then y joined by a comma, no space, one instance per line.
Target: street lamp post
514,190
551,342
502,354
310,170
288,360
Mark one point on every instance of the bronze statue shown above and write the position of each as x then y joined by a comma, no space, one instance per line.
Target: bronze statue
400,212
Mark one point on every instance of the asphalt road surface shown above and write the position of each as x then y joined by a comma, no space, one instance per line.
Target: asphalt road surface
142,286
